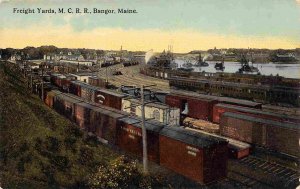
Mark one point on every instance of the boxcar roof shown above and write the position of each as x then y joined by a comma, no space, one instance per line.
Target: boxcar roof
191,137
83,84
231,142
150,126
108,112
149,104
218,98
56,92
86,105
224,83
256,111
261,120
68,98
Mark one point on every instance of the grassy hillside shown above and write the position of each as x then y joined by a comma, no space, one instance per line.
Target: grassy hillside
38,147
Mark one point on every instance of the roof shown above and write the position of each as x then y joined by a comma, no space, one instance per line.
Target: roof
211,97
224,83
255,111
231,142
239,101
83,84
55,74
148,104
137,122
86,105
191,137
68,98
83,74
114,114
261,120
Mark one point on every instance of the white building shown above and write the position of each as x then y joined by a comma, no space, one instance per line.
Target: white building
84,77
158,111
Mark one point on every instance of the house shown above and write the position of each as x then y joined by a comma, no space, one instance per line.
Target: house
84,77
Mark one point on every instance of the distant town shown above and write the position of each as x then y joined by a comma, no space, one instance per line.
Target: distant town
92,56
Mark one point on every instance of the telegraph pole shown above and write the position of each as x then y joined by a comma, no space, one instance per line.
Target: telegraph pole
42,82
31,86
144,133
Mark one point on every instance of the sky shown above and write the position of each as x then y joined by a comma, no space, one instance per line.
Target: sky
185,24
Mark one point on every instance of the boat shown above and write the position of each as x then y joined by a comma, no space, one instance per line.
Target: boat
284,59
187,64
163,60
220,65
201,62
246,67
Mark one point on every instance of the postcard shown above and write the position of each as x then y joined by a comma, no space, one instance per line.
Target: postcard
149,94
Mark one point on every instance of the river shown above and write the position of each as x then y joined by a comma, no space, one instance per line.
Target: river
285,70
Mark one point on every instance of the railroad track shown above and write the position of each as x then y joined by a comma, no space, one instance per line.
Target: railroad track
131,76
288,175
244,181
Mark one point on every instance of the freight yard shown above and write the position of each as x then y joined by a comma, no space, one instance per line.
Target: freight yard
220,141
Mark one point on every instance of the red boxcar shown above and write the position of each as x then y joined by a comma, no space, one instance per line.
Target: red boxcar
198,108
129,137
236,149
98,82
75,88
219,109
197,156
50,97
95,94
109,98
82,115
103,122
279,136
65,105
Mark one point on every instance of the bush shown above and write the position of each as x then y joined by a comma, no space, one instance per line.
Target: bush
86,156
53,144
61,162
121,173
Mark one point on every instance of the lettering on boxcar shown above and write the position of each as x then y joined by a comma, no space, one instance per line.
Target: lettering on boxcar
101,98
131,131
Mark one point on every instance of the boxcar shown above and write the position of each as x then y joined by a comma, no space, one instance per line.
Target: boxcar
221,108
234,125
220,99
198,108
109,98
65,105
103,122
96,81
50,97
236,149
197,156
240,102
274,135
75,89
129,137
82,115
95,94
